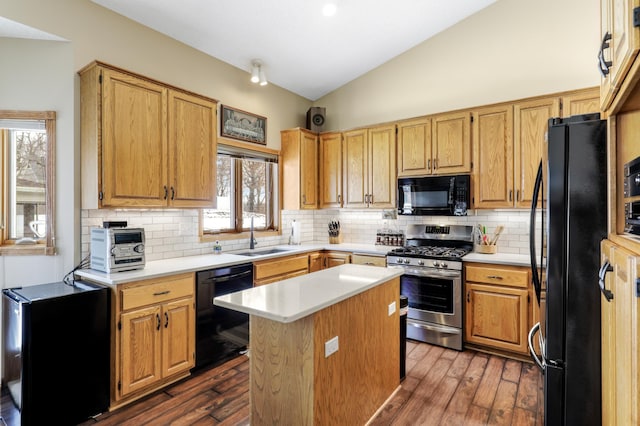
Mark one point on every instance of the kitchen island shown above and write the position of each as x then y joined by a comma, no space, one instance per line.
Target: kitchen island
324,346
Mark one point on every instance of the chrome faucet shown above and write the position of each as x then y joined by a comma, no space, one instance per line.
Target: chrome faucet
252,241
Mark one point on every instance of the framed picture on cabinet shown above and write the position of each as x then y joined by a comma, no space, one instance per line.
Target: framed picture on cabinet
242,125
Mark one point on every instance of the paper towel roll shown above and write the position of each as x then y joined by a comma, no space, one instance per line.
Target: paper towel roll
295,232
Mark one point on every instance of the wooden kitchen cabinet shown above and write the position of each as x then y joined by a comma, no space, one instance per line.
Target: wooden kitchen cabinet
369,168
336,258
144,143
280,268
156,335
316,261
581,102
414,147
369,259
493,157
620,337
299,157
451,139
330,170
497,307
623,39
531,123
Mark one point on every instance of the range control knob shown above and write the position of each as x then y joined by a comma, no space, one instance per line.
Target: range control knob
443,265
421,262
407,261
435,263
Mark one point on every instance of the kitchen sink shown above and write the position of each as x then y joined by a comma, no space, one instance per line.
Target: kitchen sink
261,252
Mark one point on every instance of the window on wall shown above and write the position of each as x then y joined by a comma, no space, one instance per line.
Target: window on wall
247,183
27,147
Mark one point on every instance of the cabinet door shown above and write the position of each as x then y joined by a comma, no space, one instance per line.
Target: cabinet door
354,172
309,170
178,331
134,141
382,167
335,259
451,138
140,345
316,262
531,123
330,170
414,148
497,317
620,339
493,157
192,151
582,102
624,42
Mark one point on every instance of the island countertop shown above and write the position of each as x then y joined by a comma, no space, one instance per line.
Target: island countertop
294,298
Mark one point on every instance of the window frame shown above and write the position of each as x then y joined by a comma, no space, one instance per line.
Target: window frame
240,233
47,245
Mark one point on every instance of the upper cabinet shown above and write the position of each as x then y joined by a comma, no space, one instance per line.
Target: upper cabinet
581,102
451,139
414,147
144,144
530,124
620,42
299,155
331,170
493,157
369,167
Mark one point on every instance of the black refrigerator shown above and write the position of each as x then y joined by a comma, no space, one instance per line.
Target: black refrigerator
565,259
56,352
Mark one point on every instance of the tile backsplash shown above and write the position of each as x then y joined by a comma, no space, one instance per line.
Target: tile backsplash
173,233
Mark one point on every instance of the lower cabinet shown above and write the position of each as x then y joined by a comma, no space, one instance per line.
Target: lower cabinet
272,270
327,259
497,310
156,334
369,259
620,337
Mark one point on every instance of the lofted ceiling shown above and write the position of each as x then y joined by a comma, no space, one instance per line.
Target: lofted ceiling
302,50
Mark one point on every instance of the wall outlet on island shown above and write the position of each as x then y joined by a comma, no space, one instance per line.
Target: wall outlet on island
330,346
392,308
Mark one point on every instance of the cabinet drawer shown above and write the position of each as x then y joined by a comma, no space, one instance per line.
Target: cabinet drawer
280,266
512,276
361,259
275,278
154,291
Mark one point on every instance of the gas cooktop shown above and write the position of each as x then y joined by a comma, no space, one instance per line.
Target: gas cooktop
430,252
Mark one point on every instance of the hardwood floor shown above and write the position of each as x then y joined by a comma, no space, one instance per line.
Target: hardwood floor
442,387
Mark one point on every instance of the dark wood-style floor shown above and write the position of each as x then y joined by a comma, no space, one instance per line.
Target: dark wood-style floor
442,387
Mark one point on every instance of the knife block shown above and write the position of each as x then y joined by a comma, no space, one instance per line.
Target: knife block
335,240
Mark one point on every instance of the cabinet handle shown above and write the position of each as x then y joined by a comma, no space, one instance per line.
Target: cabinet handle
608,294
435,163
166,320
166,192
429,164
604,65
468,296
518,195
157,322
173,193
304,199
160,293
511,195
339,199
370,198
494,277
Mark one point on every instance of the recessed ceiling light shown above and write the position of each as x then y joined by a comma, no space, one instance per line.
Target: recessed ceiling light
329,9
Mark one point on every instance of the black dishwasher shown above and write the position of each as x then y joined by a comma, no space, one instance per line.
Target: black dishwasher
220,333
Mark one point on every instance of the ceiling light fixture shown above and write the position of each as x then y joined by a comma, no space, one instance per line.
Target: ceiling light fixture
257,73
329,9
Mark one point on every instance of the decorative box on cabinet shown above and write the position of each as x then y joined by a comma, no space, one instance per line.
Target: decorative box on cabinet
299,157
144,143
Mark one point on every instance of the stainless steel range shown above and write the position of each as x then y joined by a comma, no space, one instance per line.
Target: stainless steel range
432,281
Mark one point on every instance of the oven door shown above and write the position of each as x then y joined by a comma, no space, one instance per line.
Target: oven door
434,296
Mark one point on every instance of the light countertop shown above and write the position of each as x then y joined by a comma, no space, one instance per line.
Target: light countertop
177,265
294,298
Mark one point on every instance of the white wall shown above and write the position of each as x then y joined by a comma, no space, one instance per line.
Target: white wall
511,50
38,76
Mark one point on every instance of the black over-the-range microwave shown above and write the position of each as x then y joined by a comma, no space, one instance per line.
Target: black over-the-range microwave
434,195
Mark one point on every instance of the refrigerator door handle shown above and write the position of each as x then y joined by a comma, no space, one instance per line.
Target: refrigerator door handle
608,294
539,360
535,274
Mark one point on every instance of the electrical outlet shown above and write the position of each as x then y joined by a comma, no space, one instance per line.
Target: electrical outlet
389,214
330,346
392,308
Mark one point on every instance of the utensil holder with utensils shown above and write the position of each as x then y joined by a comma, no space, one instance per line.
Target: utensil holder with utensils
484,243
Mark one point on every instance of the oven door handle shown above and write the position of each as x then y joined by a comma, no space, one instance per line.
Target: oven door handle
439,328
428,274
